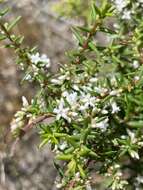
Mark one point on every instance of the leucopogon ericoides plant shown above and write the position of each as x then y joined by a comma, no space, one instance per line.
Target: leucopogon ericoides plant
91,111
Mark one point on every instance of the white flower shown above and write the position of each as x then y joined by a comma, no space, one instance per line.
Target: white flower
88,186
35,70
116,26
59,185
132,136
113,80
86,88
139,179
94,79
140,144
101,91
104,111
115,108
71,98
62,77
2,32
24,101
75,87
114,93
134,154
83,107
35,58
72,114
123,137
126,15
28,77
77,176
59,80
56,81
88,100
62,112
136,78
45,60
117,166
101,125
16,125
63,145
120,4
13,127
135,64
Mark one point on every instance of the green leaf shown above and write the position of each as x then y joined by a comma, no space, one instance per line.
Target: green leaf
84,151
84,29
19,39
82,173
78,36
107,30
135,123
60,135
93,154
2,37
123,152
95,11
71,167
69,150
65,157
13,23
60,171
4,12
44,142
84,134
92,46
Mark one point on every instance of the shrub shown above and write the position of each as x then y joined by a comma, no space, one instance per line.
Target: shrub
91,111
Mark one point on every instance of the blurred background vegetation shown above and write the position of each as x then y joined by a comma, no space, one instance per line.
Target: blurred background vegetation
28,168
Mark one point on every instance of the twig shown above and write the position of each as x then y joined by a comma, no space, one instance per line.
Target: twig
89,36
33,123
24,130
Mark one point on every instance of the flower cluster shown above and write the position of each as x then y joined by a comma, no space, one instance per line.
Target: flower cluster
18,120
84,101
139,182
43,60
38,66
117,175
127,8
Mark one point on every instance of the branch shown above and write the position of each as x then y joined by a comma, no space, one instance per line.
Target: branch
37,121
89,36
